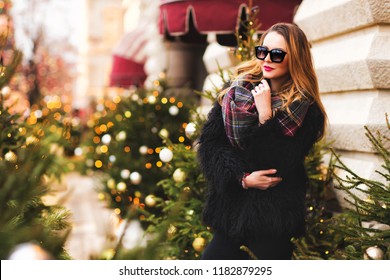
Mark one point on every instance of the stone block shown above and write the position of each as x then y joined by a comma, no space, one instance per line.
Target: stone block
354,61
321,19
349,112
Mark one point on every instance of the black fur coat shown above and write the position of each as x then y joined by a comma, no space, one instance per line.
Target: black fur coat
241,213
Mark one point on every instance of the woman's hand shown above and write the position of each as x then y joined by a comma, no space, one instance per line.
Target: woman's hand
259,179
262,96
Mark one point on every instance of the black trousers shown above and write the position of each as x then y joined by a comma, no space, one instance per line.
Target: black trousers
222,247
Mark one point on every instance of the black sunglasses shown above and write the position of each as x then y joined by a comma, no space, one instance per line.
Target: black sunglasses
276,55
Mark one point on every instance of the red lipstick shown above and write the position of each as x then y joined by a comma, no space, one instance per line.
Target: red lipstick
267,68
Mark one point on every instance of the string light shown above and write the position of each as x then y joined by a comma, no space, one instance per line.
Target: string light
117,99
104,149
96,139
118,117
128,114
98,164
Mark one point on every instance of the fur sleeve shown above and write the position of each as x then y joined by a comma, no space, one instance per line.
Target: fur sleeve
220,162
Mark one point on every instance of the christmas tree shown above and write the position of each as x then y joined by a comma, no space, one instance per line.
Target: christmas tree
29,163
361,231
124,143
366,226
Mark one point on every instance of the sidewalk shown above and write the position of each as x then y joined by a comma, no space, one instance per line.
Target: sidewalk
95,227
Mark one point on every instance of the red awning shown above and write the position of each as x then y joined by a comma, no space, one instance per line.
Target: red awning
126,72
128,59
219,16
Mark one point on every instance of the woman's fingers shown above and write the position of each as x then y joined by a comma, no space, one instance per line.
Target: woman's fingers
267,171
261,180
265,84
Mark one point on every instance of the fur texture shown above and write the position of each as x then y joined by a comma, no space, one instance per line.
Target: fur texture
243,214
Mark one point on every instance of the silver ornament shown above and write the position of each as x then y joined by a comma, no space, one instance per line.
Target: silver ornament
374,253
190,130
173,110
135,178
166,155
29,251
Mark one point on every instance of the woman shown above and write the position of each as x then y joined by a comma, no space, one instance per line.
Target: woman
253,146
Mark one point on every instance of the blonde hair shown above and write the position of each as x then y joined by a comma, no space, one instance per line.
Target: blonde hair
303,82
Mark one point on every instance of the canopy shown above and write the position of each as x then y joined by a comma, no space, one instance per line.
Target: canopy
219,16
128,59
126,72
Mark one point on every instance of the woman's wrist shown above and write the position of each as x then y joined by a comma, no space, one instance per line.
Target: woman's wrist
266,115
243,183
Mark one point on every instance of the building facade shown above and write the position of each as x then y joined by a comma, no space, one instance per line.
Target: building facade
351,49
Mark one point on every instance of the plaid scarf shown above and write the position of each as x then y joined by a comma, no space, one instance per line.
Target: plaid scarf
239,112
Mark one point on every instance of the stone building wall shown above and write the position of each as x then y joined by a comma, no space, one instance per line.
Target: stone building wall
351,49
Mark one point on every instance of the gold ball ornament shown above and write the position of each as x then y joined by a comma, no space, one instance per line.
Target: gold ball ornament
5,91
111,183
171,231
31,140
179,175
152,99
10,156
121,186
121,136
190,130
150,200
164,133
373,253
199,244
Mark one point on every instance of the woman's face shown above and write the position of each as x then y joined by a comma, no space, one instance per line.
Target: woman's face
272,70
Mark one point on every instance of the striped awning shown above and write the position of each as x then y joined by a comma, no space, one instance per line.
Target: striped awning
128,59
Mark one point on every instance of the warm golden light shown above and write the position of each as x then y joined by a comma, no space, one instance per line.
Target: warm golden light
128,114
98,164
104,149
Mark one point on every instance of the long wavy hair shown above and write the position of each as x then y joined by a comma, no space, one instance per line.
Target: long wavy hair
303,80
